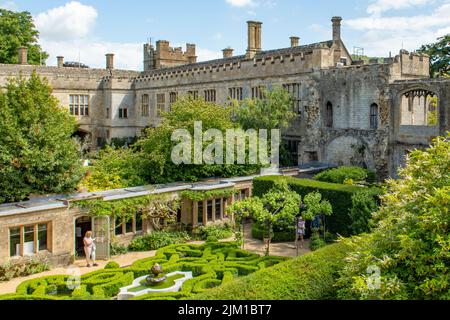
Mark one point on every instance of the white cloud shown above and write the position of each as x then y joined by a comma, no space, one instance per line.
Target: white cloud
240,3
380,6
9,5
73,20
382,35
206,54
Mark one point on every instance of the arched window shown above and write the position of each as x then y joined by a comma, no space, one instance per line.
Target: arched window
145,105
374,116
329,115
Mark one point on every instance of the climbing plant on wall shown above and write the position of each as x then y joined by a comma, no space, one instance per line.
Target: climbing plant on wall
154,208
205,195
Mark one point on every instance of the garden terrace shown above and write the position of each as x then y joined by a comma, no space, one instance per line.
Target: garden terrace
212,264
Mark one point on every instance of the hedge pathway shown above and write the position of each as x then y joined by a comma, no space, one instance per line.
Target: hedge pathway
125,260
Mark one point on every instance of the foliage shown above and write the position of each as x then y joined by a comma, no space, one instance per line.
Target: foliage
112,265
433,114
339,196
439,53
212,264
317,241
114,169
156,240
205,195
315,206
214,231
37,152
157,145
272,112
153,207
117,249
16,30
410,243
364,204
344,174
309,277
10,271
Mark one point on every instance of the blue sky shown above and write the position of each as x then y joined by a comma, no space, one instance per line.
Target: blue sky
87,29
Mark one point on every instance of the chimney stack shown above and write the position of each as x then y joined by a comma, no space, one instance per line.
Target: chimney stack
60,61
295,41
227,53
336,28
110,61
23,55
254,38
191,52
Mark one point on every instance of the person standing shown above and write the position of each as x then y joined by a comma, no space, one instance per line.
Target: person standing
89,249
301,230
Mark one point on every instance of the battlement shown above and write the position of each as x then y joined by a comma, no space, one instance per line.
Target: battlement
165,56
414,64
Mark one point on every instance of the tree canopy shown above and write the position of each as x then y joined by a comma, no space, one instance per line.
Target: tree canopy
407,256
439,53
37,152
16,30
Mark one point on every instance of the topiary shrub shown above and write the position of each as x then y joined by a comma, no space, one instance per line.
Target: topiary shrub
112,265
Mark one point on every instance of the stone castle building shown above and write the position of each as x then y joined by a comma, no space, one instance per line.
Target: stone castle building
349,112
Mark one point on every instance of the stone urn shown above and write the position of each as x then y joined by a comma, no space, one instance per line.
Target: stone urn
157,276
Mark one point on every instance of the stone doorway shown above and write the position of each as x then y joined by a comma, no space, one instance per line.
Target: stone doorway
82,225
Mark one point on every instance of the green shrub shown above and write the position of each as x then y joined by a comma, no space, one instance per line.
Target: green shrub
217,231
343,174
112,265
156,240
309,277
317,242
364,204
339,195
117,249
10,271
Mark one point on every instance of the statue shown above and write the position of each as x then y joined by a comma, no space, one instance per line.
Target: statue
157,276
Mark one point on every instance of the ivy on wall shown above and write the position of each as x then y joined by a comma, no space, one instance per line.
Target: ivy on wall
206,195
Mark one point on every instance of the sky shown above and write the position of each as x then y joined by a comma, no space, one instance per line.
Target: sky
85,30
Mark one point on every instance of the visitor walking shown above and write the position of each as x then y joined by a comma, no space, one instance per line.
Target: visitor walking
301,230
89,249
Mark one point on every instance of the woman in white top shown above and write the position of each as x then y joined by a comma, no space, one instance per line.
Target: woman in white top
89,249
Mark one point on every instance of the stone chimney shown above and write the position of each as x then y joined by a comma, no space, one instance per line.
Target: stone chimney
60,61
191,52
336,28
254,38
227,53
23,55
110,61
295,41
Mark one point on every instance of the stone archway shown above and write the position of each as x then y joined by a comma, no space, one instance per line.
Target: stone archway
348,150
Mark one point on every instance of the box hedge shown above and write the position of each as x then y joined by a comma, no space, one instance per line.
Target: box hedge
339,195
309,277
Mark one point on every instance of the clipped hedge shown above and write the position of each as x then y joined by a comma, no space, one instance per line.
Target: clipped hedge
212,265
339,195
309,277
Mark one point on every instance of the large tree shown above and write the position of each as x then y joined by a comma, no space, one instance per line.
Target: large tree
16,30
157,145
407,256
37,152
439,53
